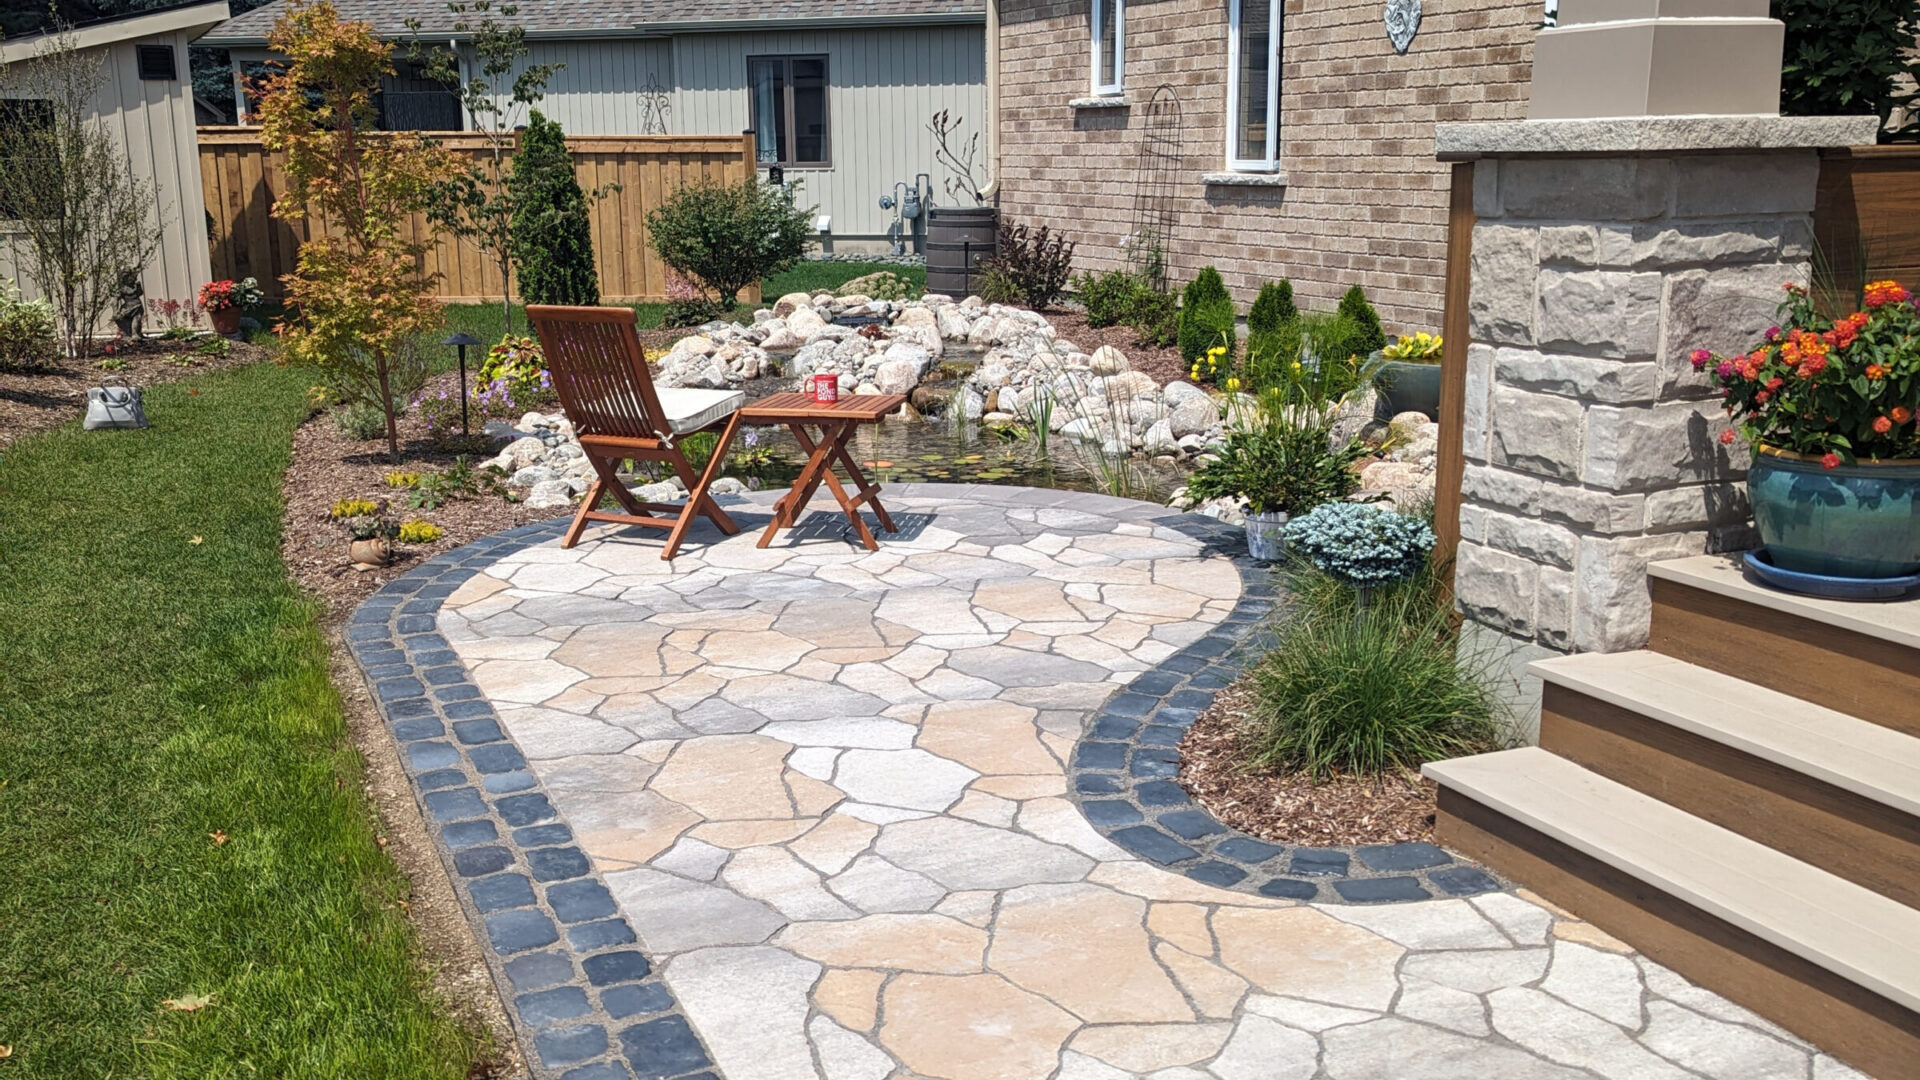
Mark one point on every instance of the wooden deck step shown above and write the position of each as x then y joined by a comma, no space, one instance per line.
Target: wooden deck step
1825,787
1860,658
1820,955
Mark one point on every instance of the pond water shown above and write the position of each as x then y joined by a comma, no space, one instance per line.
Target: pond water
948,450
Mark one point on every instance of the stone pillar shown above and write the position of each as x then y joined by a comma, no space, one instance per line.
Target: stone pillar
1605,250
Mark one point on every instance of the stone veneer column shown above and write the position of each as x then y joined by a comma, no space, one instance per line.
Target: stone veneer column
1604,252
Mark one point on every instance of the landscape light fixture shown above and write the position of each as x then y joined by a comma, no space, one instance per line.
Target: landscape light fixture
460,341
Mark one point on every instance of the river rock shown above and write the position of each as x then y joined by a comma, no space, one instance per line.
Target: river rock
1176,392
790,303
1193,415
1107,360
1159,439
806,324
549,494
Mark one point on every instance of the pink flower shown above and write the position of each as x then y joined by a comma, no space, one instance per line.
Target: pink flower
1725,370
1701,358
1773,333
1726,437
1830,461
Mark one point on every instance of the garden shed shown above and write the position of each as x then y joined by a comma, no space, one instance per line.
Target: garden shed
146,104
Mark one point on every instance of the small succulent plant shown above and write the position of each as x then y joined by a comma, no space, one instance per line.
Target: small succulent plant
419,532
368,527
351,508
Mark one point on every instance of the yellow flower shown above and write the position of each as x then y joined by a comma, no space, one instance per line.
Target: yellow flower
1233,384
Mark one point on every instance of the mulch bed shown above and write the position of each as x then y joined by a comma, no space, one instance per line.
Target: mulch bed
1291,808
328,466
1161,362
38,398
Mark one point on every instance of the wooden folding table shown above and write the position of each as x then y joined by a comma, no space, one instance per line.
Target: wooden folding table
836,421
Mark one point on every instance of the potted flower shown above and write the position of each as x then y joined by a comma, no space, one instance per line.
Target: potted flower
1409,380
221,300
1829,407
1280,469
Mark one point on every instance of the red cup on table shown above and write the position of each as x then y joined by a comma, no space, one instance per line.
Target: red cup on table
826,387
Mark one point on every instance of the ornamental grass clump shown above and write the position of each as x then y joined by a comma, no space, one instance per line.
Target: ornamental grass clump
1352,691
1367,675
1837,390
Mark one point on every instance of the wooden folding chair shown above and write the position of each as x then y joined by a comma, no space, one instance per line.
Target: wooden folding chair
605,387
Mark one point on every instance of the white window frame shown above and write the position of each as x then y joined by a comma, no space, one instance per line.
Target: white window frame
1270,162
1119,84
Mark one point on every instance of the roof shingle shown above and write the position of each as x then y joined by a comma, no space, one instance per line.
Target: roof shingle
601,18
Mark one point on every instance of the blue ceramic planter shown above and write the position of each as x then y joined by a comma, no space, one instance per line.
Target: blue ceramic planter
1405,386
1851,521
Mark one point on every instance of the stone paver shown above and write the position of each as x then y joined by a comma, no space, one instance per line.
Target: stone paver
837,796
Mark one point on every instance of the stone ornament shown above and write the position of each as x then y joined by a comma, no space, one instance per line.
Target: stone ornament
1403,22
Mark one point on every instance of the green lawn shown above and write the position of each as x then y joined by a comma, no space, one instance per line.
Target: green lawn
164,682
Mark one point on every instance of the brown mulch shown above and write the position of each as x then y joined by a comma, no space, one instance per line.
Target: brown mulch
1291,808
1160,361
328,466
38,398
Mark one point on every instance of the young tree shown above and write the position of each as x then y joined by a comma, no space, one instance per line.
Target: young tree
477,203
724,238
552,239
1356,309
84,220
358,294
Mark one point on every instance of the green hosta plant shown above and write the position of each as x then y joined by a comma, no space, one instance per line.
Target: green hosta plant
1420,348
1838,390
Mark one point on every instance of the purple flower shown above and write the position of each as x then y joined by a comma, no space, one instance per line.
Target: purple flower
1773,333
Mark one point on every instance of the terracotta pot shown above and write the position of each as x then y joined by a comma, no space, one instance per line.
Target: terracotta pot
225,321
372,552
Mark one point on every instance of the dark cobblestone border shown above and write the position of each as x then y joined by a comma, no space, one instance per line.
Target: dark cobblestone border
1125,766
586,1003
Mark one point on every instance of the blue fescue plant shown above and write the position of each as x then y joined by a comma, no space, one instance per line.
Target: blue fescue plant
1361,545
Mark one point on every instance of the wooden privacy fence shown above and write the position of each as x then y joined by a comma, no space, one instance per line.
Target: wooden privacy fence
1866,218
241,180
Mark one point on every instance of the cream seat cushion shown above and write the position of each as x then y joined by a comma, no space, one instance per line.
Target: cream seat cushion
688,409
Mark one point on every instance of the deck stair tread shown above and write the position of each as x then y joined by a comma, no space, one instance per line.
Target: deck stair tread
1827,920
1896,621
1874,762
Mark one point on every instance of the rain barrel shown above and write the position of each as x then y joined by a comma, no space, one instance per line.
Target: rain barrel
958,238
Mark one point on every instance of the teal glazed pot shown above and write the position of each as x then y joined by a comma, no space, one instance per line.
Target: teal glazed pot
1405,386
1854,521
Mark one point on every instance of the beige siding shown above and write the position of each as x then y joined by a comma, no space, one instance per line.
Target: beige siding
601,89
883,85
154,122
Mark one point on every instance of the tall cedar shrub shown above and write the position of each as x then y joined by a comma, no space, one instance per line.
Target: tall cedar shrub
1206,315
725,237
1369,338
552,238
1846,57
1273,323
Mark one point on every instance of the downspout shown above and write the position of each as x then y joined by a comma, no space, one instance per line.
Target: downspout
992,190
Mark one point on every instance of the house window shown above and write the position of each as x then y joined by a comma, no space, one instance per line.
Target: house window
157,63
26,126
787,96
1109,46
412,99
1253,85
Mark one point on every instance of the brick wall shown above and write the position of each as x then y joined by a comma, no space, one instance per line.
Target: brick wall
1365,201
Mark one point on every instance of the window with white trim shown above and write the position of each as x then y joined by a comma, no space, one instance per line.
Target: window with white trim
1109,46
1253,85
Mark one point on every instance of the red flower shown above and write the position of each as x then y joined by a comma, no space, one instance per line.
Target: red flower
1901,414
1726,437
1830,461
1701,358
1882,424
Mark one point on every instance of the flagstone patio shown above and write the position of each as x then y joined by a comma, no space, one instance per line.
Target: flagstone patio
828,791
